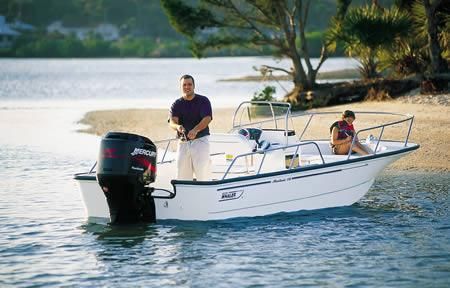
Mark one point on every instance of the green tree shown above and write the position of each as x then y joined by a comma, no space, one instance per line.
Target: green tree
71,47
438,65
97,47
265,95
427,53
281,25
366,32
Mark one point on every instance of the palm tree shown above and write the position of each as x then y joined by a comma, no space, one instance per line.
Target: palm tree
368,31
427,54
431,36
433,16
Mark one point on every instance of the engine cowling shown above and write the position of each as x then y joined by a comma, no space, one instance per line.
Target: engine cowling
126,166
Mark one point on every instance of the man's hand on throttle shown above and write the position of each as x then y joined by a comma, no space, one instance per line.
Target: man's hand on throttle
192,134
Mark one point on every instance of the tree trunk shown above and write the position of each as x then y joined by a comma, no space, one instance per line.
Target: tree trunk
311,81
303,82
298,75
438,64
372,68
294,96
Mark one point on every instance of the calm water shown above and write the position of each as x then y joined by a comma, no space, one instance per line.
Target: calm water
397,236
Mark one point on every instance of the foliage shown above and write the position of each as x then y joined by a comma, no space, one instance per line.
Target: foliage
412,54
377,95
265,95
279,26
135,47
56,45
142,20
137,17
97,47
368,31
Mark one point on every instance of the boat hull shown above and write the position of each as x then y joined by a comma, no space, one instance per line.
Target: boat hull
312,187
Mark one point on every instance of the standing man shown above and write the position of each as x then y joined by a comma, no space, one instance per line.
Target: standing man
190,116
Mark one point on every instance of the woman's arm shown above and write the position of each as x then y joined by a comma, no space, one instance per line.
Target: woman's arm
334,137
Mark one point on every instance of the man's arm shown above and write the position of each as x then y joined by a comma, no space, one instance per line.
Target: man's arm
199,127
173,123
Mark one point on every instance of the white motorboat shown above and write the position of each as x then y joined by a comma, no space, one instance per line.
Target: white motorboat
263,166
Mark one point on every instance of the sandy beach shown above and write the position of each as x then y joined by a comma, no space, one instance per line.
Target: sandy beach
430,129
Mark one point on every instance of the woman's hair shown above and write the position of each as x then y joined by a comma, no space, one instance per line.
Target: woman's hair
348,113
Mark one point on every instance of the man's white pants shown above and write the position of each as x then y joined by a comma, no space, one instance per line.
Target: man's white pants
193,158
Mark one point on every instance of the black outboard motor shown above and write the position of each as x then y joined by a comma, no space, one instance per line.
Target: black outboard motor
126,165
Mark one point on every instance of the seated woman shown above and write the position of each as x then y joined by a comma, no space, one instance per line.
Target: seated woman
342,133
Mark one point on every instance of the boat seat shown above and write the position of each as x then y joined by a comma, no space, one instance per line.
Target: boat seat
232,144
226,147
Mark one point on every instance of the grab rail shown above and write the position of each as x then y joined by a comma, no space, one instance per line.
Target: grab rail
297,146
270,104
311,115
166,149
274,117
383,126
264,152
92,168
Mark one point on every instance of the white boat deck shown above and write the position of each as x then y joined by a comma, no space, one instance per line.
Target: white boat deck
235,156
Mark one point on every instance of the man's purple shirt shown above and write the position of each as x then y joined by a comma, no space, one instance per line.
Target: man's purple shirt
191,112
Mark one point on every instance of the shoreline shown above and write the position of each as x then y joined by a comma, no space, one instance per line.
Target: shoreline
430,127
343,74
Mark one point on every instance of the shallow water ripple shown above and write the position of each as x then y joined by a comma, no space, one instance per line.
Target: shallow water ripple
395,237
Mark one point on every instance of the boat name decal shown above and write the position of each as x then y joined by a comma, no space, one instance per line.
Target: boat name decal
231,195
140,151
281,180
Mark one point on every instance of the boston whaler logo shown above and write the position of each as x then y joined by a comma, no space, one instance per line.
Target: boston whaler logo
140,151
231,195
281,180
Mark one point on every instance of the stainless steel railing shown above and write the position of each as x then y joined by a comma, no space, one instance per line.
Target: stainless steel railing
264,152
286,117
410,119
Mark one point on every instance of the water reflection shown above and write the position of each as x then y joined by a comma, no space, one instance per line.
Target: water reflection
124,235
148,254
